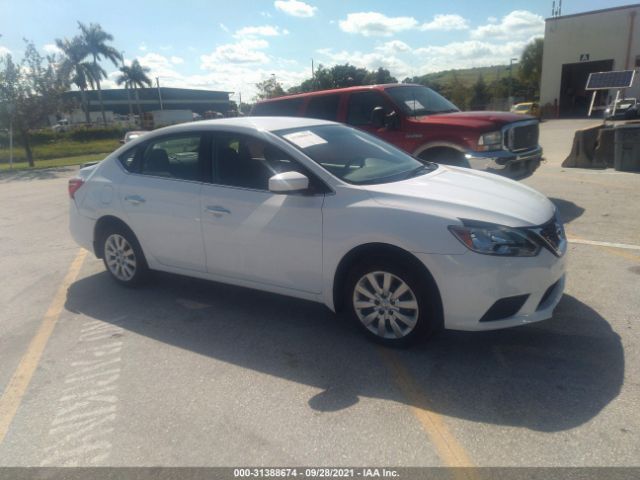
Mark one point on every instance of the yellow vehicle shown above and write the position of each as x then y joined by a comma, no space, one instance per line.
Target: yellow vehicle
527,108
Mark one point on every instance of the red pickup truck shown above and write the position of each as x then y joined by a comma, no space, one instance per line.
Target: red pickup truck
423,123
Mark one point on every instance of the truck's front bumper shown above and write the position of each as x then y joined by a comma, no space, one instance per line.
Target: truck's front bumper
505,162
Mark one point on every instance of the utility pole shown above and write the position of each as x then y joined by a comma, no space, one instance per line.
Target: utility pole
510,80
127,87
239,104
159,94
10,108
313,76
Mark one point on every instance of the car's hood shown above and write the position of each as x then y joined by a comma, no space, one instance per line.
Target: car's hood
463,193
477,120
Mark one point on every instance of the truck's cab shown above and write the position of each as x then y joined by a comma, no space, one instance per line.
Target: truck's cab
425,124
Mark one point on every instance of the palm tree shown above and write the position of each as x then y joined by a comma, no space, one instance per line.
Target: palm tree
134,75
75,69
95,40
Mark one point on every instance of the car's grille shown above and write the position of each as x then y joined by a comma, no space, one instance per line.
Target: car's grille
552,235
523,137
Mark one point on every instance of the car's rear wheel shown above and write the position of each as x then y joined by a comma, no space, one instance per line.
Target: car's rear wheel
123,257
391,303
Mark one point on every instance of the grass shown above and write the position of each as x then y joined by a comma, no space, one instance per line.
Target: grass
55,162
60,149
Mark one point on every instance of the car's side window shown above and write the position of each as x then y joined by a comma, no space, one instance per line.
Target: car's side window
361,105
127,159
288,108
324,107
173,157
248,162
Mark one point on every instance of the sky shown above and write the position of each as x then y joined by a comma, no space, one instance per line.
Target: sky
232,45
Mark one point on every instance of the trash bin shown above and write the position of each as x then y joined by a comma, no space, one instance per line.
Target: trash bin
627,148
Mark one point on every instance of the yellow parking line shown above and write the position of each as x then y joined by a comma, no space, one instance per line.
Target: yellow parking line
449,449
17,387
609,247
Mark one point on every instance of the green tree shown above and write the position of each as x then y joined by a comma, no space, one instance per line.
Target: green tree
269,88
33,90
531,65
78,71
456,91
96,41
480,95
135,76
379,77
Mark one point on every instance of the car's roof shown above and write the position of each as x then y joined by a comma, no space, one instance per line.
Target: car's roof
250,123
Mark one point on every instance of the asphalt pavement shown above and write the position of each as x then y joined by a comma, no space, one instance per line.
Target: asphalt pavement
190,373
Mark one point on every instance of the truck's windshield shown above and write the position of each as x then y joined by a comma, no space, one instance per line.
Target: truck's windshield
418,100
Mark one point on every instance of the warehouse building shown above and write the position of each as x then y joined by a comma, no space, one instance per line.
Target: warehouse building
120,102
577,45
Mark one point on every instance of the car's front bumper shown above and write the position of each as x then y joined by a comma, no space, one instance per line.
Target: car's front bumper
505,162
471,284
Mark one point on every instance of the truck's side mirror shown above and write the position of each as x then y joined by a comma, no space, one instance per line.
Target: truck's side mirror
378,117
391,121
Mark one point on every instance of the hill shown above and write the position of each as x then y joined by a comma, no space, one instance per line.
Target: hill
467,76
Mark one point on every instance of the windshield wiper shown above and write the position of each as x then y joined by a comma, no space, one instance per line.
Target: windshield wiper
421,170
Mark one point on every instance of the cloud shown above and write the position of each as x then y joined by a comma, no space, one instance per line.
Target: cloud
295,8
244,51
260,31
446,23
517,24
466,54
177,60
371,61
142,47
376,24
393,47
50,49
4,51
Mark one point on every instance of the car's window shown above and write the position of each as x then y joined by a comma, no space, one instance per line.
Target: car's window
173,157
127,159
324,107
248,162
361,105
285,108
354,156
418,100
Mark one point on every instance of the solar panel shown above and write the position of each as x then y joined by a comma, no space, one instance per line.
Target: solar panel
606,80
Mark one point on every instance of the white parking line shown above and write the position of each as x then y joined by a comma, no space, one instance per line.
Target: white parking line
604,244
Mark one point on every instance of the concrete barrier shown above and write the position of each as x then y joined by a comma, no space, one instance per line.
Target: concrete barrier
583,151
604,151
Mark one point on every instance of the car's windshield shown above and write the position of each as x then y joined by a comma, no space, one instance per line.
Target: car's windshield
418,100
524,106
354,156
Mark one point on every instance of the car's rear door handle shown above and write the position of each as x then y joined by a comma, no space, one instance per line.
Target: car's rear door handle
134,199
217,210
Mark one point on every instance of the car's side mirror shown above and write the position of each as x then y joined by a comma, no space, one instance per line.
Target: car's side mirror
288,182
378,117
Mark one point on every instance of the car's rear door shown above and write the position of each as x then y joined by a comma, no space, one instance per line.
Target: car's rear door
161,199
252,234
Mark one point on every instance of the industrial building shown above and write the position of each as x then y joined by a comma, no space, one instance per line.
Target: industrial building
119,101
577,45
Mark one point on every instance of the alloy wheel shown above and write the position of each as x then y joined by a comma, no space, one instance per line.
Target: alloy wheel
120,257
386,305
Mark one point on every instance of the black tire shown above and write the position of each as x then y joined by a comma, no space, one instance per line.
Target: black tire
119,248
422,289
446,157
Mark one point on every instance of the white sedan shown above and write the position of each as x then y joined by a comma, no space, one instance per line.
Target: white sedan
320,211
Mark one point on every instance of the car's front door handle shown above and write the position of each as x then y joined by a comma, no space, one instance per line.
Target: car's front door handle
134,199
217,210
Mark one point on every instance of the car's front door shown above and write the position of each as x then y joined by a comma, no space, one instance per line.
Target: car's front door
161,199
255,235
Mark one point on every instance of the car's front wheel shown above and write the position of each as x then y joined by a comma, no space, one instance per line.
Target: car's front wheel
391,302
123,257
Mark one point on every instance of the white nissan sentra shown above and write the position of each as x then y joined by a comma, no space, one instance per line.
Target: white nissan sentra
321,211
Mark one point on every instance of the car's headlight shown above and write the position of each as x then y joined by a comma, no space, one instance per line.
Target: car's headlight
490,141
490,239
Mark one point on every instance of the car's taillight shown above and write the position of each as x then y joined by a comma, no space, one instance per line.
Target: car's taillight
74,185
